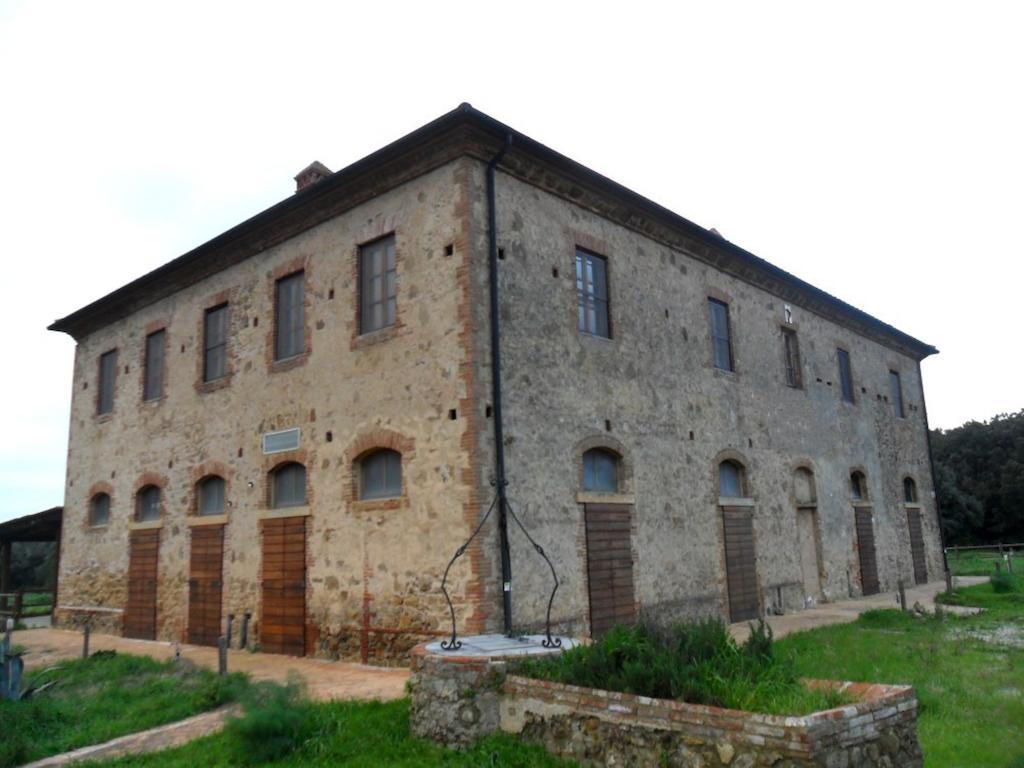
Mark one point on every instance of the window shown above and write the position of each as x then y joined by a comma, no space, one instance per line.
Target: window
215,343
600,471
791,351
288,486
845,375
289,320
731,481
108,376
99,509
858,486
592,294
380,475
147,504
721,342
153,386
377,285
211,496
909,490
896,393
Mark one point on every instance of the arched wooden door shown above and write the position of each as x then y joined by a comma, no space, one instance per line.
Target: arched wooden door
609,566
283,627
205,585
866,550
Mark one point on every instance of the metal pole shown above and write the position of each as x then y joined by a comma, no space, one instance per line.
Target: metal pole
85,640
902,595
222,655
499,439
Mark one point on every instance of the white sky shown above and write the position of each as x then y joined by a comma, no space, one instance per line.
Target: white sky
873,149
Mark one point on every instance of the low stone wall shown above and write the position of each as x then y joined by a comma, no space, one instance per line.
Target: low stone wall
599,728
456,700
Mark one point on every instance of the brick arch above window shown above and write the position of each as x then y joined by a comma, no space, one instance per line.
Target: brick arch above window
731,457
605,442
96,490
202,472
145,482
370,442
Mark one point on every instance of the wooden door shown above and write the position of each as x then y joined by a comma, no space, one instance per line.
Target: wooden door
140,613
609,566
740,563
205,586
283,628
866,551
917,545
809,560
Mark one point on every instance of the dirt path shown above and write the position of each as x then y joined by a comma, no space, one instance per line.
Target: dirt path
848,610
325,679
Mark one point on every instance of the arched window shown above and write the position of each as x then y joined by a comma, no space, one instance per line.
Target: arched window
731,479
601,471
288,486
210,495
858,486
804,492
909,490
147,504
99,509
380,474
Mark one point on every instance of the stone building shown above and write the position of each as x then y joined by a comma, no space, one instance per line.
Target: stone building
294,423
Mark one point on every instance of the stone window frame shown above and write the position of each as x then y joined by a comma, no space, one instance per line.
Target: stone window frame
202,473
738,458
157,326
865,487
227,297
97,489
805,465
579,240
713,293
604,442
916,501
590,253
842,347
364,444
380,228
97,400
144,481
793,331
285,269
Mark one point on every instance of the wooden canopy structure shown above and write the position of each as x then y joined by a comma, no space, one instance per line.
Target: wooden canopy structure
40,527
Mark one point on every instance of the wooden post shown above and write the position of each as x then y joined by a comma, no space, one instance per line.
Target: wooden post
222,655
901,592
19,599
949,581
85,639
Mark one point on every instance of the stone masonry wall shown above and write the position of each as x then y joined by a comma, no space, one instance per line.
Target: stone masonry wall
652,394
457,700
373,567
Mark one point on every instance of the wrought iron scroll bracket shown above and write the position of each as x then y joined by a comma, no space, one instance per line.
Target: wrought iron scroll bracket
549,641
453,643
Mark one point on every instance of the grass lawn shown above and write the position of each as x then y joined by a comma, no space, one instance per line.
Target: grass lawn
356,735
979,562
97,699
968,673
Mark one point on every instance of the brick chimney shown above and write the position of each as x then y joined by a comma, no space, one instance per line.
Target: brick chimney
310,175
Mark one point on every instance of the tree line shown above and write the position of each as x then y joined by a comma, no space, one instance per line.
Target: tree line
979,474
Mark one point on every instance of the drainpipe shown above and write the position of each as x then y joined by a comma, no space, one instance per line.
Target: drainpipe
499,440
931,464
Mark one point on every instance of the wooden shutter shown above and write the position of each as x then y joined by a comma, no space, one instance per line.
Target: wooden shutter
609,566
740,563
284,586
205,585
917,545
140,613
866,551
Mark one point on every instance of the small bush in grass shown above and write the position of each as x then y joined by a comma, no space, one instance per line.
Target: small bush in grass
275,723
696,662
1005,583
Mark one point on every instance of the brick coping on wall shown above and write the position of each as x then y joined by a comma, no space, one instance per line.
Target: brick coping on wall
876,709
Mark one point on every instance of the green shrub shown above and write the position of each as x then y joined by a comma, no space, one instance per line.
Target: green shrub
697,662
1005,583
275,723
